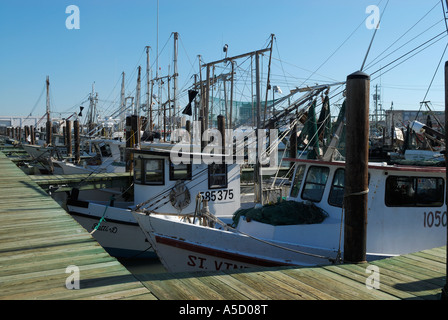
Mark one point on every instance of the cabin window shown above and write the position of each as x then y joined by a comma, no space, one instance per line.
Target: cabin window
105,150
149,171
314,187
297,181
180,171
217,176
138,170
154,171
336,197
414,192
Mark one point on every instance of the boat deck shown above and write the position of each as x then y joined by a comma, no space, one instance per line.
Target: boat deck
84,181
39,240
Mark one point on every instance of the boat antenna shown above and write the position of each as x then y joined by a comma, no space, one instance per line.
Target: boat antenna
373,37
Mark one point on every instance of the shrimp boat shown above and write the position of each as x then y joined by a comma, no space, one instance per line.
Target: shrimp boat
406,213
107,156
162,187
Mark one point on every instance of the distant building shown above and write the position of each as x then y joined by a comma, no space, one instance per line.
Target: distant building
13,121
401,118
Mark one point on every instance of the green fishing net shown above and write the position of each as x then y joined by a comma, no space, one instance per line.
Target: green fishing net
283,213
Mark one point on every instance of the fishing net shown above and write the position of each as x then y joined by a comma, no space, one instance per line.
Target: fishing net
283,213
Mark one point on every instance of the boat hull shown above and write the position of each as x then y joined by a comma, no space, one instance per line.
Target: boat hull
121,238
211,249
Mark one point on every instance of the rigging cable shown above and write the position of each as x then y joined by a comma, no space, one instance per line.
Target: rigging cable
373,37
435,72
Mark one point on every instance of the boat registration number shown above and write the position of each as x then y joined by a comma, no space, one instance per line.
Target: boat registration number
218,195
436,219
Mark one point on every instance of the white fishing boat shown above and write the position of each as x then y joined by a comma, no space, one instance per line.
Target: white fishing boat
41,151
107,155
161,187
405,214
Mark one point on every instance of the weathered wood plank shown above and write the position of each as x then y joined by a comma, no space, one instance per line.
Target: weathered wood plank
39,240
358,272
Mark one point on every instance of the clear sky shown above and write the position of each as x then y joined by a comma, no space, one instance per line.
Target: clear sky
316,41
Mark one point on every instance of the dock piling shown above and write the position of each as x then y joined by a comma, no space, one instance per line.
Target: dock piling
356,172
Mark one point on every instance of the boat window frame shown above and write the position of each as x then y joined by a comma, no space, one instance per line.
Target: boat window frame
307,182
143,172
413,201
333,186
295,187
172,172
104,149
211,176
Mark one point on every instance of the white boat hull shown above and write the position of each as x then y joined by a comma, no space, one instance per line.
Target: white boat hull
119,234
210,249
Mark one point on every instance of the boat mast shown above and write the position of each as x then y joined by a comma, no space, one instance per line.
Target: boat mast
268,83
257,53
92,110
148,99
137,94
48,125
137,106
175,74
122,104
258,176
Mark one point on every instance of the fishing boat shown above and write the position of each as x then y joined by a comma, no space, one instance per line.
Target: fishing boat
405,214
107,155
160,186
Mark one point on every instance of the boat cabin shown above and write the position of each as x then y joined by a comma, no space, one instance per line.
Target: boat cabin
172,188
406,204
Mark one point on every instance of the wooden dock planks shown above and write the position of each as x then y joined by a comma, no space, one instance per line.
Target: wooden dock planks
38,240
417,276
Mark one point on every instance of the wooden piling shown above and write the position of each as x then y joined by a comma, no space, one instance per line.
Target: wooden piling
135,127
68,138
128,136
48,133
32,135
356,169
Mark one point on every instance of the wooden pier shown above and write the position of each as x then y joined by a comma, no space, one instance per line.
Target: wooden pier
39,240
86,181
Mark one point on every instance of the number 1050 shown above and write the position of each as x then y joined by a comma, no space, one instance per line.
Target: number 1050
435,219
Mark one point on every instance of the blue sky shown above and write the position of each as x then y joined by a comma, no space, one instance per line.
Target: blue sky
316,41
